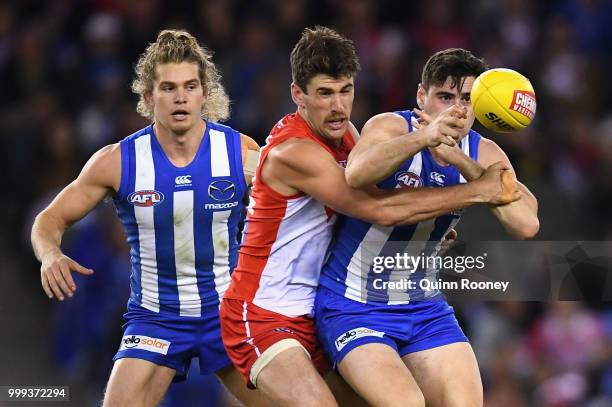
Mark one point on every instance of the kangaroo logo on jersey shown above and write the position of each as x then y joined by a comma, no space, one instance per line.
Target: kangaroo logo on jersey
407,179
146,198
221,190
182,180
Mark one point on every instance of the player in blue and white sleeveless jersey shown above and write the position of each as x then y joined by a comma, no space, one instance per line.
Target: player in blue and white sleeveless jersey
397,344
178,186
358,243
185,272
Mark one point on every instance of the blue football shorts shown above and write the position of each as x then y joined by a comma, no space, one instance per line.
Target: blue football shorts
173,341
344,324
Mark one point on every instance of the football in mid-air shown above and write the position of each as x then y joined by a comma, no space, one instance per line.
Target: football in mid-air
503,100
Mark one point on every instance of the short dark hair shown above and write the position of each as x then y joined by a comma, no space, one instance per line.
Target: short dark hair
454,62
322,51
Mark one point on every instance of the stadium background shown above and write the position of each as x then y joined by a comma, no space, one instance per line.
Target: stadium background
65,70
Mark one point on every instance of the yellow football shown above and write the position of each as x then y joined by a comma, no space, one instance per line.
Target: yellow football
503,100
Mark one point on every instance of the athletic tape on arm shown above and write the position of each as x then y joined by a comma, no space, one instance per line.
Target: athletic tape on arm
250,165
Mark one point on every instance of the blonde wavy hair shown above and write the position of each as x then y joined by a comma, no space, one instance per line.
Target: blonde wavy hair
174,46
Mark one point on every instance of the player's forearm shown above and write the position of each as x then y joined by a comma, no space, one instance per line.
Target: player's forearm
470,169
377,162
520,218
415,205
46,235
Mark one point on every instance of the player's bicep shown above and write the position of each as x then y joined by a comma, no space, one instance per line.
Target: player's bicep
323,179
379,129
100,177
489,153
74,202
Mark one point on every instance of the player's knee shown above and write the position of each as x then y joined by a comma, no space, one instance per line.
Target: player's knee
394,396
457,396
132,398
318,397
296,392
412,397
118,394
304,396
471,395
117,399
463,400
308,395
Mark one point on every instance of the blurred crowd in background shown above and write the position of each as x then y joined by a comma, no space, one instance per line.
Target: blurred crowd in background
65,71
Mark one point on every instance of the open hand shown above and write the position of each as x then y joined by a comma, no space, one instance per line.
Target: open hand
447,128
56,275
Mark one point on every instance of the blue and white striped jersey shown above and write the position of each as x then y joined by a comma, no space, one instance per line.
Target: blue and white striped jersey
181,223
359,246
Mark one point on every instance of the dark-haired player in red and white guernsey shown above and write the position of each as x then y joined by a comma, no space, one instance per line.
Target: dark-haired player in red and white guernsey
267,313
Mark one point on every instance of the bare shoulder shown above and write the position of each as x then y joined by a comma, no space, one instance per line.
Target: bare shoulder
107,158
108,153
103,168
489,152
288,164
298,154
248,143
487,143
388,123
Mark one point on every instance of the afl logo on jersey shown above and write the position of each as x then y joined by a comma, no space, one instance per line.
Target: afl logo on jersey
146,198
407,179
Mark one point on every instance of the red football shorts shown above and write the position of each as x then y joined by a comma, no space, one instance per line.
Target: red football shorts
253,336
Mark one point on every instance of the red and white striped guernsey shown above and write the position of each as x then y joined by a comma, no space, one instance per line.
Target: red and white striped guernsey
285,238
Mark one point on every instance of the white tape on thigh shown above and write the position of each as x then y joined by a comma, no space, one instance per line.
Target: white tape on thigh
270,354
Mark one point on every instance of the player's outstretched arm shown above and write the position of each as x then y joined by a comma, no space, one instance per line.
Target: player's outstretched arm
385,144
301,165
519,218
99,177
